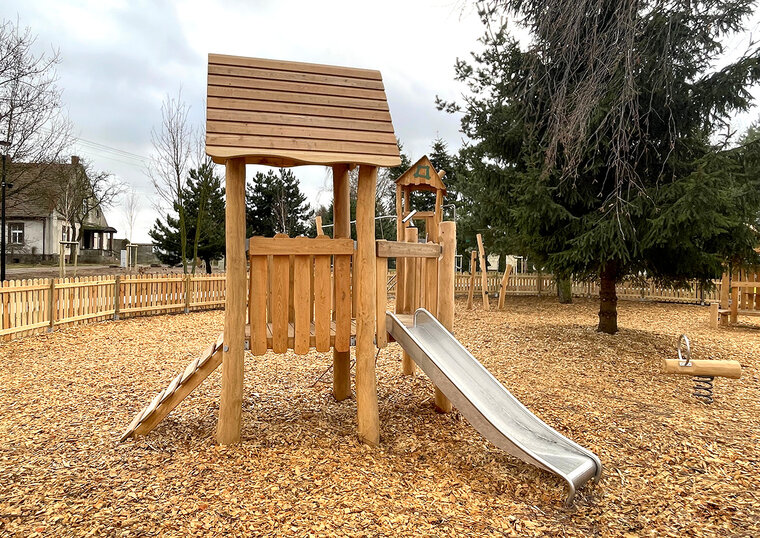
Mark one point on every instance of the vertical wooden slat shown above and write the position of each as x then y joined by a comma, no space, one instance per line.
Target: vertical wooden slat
258,306
279,302
301,302
411,289
322,302
342,303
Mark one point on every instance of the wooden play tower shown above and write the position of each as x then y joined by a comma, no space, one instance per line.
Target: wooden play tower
310,293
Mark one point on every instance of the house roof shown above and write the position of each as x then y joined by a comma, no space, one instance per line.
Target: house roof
292,113
35,191
422,176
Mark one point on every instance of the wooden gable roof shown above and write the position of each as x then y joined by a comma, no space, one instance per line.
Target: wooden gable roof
289,113
422,176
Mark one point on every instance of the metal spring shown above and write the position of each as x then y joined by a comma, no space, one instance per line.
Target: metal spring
703,388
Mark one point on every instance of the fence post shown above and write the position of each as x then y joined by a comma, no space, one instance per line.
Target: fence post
116,297
187,294
51,304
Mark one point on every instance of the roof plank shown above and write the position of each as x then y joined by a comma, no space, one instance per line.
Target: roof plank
290,113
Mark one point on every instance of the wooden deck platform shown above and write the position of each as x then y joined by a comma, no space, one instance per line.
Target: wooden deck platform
292,334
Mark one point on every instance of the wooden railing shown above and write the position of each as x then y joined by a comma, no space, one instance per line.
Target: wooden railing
40,305
739,296
295,301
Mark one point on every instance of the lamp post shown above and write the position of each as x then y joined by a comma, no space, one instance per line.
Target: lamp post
4,145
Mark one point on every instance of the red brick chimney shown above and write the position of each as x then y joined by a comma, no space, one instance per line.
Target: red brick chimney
74,160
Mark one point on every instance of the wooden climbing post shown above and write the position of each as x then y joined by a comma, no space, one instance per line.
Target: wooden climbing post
471,291
364,267
341,229
231,404
446,269
503,287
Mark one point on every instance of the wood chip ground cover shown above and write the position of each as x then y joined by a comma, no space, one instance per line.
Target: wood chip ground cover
673,466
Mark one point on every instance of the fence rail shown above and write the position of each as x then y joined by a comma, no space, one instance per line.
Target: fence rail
39,305
544,284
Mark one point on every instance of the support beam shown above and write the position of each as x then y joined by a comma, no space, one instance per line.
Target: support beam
341,229
446,277
364,267
231,404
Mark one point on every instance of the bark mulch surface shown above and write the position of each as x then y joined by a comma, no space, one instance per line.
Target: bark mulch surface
673,465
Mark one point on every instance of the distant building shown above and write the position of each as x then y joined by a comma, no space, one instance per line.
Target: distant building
35,226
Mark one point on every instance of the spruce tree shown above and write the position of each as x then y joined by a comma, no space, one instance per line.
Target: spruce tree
275,204
598,147
203,199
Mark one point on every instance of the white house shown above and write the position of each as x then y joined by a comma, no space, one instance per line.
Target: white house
35,227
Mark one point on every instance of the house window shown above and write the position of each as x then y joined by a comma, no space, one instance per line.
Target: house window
16,231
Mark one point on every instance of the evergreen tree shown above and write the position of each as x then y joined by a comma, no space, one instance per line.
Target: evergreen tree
275,204
597,146
204,209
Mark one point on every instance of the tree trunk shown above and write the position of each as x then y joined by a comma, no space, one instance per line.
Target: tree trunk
565,290
208,265
608,299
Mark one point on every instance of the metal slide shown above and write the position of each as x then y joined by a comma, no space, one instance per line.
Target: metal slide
487,405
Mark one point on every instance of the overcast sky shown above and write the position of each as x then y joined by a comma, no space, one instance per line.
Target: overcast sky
121,58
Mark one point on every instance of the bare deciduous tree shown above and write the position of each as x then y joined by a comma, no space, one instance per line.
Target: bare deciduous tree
31,113
173,150
131,210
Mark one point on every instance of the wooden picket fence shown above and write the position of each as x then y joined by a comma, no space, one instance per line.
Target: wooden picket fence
40,305
544,284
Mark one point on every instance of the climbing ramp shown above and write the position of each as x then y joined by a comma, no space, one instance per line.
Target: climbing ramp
179,388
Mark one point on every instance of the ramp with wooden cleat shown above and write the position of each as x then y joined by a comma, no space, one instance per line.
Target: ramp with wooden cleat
179,388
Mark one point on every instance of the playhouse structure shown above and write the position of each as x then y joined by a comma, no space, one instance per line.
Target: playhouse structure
330,293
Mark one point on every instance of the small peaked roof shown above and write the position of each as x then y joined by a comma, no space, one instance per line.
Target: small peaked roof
291,113
422,176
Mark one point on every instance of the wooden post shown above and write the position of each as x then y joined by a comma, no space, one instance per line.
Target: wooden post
483,273
725,291
319,226
714,315
231,403
411,286
341,229
471,291
364,266
51,304
116,297
503,287
446,269
734,298
188,286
